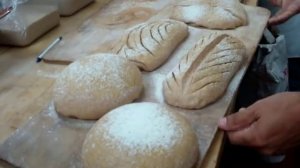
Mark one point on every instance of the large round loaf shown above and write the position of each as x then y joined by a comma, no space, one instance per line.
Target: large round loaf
94,85
141,135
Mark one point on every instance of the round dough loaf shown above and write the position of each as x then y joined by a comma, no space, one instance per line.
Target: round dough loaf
94,85
141,135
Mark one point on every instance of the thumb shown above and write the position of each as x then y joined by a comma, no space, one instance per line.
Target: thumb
283,15
238,121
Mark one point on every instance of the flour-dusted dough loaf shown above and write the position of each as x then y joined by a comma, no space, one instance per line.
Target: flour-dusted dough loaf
150,44
204,74
214,14
94,85
141,135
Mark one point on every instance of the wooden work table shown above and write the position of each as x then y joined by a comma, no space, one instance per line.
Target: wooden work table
27,85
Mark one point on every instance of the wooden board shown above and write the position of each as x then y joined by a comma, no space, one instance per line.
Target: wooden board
21,76
100,30
204,121
26,87
103,29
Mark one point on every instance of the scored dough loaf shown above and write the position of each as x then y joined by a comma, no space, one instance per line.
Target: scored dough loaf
141,135
94,85
204,74
149,45
213,14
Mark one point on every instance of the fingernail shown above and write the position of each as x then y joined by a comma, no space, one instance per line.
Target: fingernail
242,109
223,122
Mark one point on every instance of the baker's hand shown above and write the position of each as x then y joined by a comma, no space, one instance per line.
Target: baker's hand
288,9
271,125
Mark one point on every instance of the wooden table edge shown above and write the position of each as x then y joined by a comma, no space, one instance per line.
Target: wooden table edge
213,156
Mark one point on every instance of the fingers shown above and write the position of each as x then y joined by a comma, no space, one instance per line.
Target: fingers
238,121
244,137
283,16
248,137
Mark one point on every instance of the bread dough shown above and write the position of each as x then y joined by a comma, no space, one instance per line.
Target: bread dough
27,23
94,85
149,45
204,74
213,14
141,135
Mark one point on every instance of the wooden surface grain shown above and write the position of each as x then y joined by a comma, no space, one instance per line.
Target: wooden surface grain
26,86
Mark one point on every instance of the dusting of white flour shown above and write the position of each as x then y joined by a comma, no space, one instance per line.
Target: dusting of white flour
142,127
104,72
194,12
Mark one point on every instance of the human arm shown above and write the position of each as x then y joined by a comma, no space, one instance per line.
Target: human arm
271,125
288,9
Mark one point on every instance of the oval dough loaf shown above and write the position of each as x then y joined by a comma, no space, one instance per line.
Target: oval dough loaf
204,74
92,86
213,14
149,45
141,135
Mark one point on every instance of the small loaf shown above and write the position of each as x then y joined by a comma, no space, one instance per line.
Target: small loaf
149,45
93,85
213,14
204,74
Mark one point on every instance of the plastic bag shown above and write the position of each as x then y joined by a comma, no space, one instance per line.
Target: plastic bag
268,72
